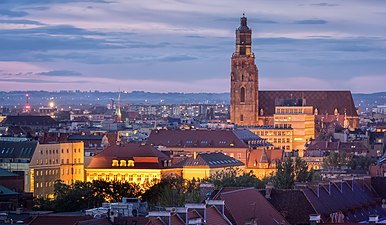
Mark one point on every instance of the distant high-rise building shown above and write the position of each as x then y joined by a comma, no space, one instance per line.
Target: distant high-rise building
244,79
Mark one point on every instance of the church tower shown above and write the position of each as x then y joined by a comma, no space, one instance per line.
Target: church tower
244,79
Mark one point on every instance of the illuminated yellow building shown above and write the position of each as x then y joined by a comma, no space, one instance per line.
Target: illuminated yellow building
301,119
263,162
203,165
52,162
280,138
130,162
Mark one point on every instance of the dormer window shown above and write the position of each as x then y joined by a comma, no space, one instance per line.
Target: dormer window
130,163
123,163
115,163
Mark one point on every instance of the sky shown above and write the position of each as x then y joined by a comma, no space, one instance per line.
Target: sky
186,45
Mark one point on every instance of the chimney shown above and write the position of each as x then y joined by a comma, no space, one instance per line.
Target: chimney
373,219
314,219
268,190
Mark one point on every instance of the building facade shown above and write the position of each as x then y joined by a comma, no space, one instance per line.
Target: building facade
135,163
244,79
251,107
53,162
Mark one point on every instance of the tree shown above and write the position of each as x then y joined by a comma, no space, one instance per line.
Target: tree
285,177
231,177
361,162
172,191
336,160
290,171
301,173
123,189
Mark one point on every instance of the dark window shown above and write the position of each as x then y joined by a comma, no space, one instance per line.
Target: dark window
242,95
241,117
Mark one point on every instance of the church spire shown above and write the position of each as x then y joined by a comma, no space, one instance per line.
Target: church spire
118,114
243,38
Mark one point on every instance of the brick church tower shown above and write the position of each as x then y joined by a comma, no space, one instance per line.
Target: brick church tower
244,79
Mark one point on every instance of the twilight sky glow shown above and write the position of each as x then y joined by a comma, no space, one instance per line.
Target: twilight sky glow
186,45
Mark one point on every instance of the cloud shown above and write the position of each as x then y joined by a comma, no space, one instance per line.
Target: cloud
250,20
40,81
325,4
10,13
60,73
176,58
29,22
310,22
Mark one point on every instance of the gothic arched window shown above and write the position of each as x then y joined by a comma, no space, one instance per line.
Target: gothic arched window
242,94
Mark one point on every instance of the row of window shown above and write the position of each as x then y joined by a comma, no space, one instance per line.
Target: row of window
123,162
56,161
279,140
55,172
124,177
273,133
56,151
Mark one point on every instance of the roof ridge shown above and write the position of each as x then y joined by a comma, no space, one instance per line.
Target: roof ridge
241,189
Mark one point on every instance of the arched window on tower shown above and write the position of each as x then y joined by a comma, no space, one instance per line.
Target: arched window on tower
242,95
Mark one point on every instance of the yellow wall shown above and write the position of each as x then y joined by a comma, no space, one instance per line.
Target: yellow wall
302,121
52,162
262,173
280,138
138,176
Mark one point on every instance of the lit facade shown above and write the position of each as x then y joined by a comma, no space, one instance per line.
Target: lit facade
280,138
140,164
244,79
301,119
52,162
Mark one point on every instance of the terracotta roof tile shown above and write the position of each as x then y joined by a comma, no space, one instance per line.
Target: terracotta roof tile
198,139
144,156
57,220
271,156
246,205
324,101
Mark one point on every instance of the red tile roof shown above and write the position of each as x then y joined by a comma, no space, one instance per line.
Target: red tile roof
324,101
57,220
213,216
197,139
270,156
245,205
102,221
348,147
144,156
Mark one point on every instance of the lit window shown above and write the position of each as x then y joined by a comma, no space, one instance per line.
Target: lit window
130,163
123,163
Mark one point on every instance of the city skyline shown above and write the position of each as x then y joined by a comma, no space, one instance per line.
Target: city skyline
186,46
